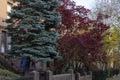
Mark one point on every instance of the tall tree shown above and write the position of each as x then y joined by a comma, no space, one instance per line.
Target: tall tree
111,45
111,41
32,24
111,8
81,37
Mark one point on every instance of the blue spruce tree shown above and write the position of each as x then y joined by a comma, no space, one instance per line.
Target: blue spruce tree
32,24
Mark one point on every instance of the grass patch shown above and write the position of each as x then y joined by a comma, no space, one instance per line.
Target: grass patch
7,75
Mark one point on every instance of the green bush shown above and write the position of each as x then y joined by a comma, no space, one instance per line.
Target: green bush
7,75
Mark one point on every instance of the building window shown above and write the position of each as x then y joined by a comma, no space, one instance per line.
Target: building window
3,42
9,8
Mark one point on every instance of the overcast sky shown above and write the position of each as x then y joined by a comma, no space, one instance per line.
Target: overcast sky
86,3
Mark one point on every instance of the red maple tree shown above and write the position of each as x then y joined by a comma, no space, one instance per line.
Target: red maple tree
81,37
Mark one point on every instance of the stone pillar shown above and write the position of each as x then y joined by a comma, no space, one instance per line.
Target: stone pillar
90,75
77,76
49,75
35,75
72,74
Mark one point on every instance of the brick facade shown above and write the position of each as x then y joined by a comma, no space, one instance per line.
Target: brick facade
3,16
3,9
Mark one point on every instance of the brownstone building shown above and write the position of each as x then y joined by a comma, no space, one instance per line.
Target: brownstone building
5,7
